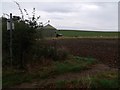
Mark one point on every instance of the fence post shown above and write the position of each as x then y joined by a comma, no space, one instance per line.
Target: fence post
11,54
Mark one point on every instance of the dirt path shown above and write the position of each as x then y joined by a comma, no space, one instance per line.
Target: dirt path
95,69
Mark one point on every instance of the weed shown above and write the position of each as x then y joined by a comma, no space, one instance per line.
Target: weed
58,67
106,79
15,78
104,83
89,82
45,51
74,65
60,84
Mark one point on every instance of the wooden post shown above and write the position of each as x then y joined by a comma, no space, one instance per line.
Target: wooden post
11,54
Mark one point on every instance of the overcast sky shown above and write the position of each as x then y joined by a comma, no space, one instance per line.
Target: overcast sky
87,15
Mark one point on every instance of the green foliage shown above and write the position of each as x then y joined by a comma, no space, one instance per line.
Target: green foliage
74,65
22,40
106,79
86,83
61,67
88,60
60,84
11,77
106,83
5,42
91,81
14,77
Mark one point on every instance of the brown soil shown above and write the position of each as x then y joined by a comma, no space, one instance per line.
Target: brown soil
104,50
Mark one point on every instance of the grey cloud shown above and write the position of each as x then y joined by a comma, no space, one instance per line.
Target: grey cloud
55,7
103,18
72,15
52,7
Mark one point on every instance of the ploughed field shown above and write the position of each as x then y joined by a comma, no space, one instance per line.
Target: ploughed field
102,49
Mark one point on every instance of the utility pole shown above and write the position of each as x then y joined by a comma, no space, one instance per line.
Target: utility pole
11,54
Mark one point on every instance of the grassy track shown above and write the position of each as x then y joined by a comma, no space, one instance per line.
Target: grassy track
75,64
75,33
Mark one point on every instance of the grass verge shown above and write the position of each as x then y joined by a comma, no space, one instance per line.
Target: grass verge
101,80
74,64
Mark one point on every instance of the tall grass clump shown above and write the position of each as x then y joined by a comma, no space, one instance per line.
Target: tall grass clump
47,51
60,54
73,64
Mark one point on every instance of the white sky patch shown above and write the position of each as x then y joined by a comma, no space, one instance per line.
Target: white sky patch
89,7
61,0
71,15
